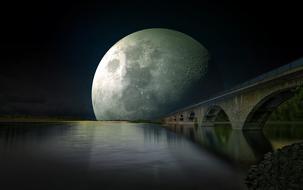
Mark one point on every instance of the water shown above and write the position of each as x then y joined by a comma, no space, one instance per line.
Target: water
121,155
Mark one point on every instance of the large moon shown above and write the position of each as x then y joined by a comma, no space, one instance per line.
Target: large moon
145,74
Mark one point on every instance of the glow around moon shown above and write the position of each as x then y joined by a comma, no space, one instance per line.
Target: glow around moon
146,73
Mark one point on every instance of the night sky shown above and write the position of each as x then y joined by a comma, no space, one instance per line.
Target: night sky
50,51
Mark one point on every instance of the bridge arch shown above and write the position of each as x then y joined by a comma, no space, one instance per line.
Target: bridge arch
192,116
262,110
214,114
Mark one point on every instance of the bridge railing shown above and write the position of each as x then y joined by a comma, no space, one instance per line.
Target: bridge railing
278,71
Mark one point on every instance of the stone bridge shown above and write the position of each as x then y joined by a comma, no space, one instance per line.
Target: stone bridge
246,106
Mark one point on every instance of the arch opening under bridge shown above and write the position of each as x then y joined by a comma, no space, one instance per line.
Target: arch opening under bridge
215,115
262,111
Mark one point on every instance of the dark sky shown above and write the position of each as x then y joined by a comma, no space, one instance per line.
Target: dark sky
50,51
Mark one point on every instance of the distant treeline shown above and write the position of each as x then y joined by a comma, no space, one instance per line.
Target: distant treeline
37,117
290,110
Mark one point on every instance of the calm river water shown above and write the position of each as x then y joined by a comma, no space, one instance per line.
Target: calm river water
121,155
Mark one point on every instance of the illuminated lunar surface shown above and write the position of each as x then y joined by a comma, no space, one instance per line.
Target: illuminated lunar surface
146,73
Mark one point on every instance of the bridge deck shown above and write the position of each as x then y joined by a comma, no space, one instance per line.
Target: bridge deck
268,76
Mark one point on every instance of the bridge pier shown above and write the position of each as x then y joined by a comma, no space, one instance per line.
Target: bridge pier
237,125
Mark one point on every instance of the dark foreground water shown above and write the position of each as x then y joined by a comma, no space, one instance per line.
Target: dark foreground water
120,155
